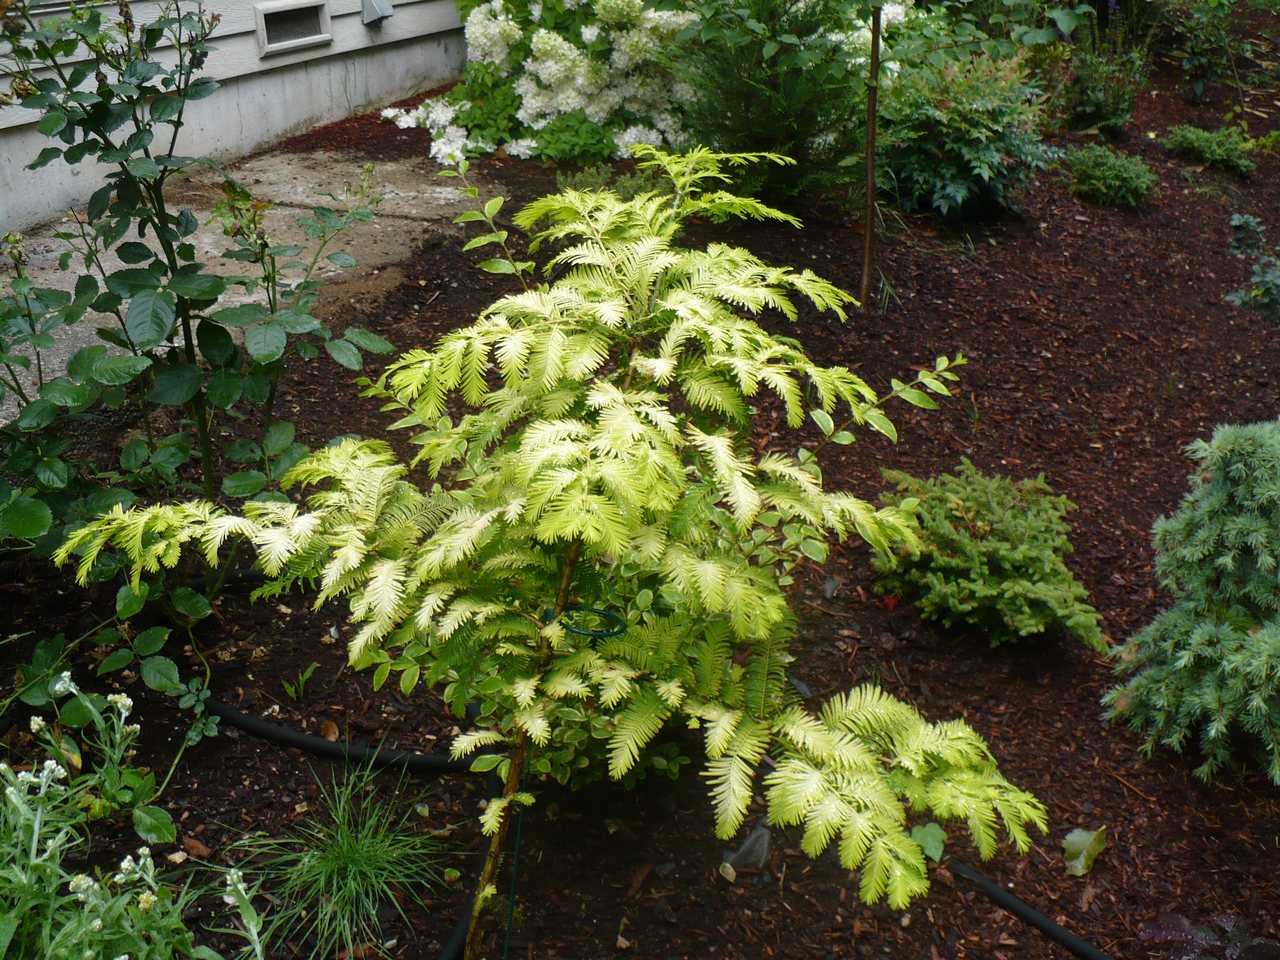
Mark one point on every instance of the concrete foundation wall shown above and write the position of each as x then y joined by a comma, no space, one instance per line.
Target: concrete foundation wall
259,102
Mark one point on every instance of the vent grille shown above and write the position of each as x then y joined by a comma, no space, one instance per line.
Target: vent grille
285,25
290,26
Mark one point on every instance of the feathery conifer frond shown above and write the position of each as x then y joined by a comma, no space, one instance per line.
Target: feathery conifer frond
599,549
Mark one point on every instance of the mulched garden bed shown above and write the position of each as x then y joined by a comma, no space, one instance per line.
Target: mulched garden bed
1099,346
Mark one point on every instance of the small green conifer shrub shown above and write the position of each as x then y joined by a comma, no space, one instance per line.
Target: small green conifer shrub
1226,147
603,176
1100,175
1205,674
990,556
596,549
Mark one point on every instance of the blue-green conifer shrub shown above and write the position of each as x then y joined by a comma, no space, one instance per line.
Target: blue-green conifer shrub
1206,673
990,557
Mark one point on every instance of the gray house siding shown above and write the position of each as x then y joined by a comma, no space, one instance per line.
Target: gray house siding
265,95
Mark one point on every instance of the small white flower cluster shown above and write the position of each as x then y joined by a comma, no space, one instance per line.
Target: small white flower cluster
449,141
122,702
143,868
85,888
235,888
62,686
25,783
621,88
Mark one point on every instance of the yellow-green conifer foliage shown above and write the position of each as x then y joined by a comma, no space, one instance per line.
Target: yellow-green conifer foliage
589,546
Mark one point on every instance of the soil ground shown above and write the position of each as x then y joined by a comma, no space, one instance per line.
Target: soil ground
1099,345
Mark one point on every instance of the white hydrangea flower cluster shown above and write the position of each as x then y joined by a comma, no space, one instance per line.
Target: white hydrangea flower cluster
490,32
622,88
449,141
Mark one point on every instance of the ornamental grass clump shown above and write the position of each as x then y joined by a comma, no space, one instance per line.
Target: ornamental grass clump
336,875
596,550
1205,674
990,556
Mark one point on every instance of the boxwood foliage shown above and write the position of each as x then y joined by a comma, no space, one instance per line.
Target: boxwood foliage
990,556
1207,670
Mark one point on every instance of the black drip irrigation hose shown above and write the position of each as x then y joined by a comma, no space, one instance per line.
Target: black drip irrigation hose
1028,914
440,764
429,764
426,763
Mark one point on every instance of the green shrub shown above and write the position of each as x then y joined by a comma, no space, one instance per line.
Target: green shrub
1104,84
1226,147
990,556
1207,670
961,135
1204,44
1112,179
602,176
757,87
1262,293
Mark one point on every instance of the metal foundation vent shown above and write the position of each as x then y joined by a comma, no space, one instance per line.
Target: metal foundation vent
289,24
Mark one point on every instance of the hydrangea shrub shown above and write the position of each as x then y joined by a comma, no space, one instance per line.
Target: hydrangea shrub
565,80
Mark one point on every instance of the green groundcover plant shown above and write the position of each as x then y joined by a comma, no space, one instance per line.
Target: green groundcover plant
592,548
54,905
990,556
1226,147
1101,175
1262,293
1204,674
49,911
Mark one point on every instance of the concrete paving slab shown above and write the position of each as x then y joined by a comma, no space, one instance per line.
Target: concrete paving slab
415,203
